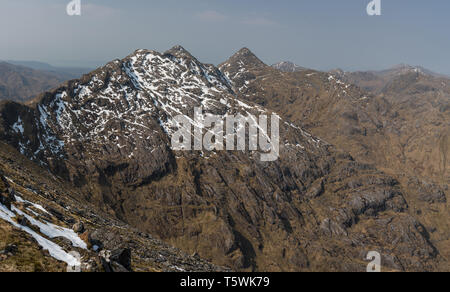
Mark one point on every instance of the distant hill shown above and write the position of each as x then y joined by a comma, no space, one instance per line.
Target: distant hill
380,81
288,67
22,83
71,72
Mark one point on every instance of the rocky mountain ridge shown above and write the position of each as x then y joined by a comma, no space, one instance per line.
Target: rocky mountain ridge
402,131
314,209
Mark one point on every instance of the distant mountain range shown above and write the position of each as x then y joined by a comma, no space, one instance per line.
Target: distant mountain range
376,81
288,67
70,72
21,81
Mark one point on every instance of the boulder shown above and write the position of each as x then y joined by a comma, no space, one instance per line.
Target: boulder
12,194
78,227
122,256
95,239
117,261
11,249
6,193
433,196
5,201
22,220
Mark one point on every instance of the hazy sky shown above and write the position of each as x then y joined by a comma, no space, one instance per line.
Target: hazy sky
321,34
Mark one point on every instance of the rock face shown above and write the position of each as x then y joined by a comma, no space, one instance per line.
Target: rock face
78,227
314,209
414,120
6,193
36,235
400,125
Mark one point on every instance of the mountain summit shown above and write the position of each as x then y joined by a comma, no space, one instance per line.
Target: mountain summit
179,52
243,59
401,69
288,67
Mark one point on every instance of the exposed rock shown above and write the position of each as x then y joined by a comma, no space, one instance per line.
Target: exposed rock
316,190
10,249
122,257
117,261
6,194
63,242
5,200
434,197
432,193
78,227
22,220
95,239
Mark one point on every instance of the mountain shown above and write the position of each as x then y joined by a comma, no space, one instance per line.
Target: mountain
108,135
405,69
379,126
20,83
402,131
288,67
68,72
376,81
416,119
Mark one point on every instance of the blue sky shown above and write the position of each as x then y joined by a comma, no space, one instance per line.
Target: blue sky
320,34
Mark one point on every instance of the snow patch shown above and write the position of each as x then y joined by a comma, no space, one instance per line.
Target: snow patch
54,250
18,126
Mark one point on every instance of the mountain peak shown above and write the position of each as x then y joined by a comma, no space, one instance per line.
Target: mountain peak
404,67
244,59
287,66
401,69
247,54
179,48
179,52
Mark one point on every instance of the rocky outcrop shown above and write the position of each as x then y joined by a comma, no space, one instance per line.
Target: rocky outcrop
6,192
